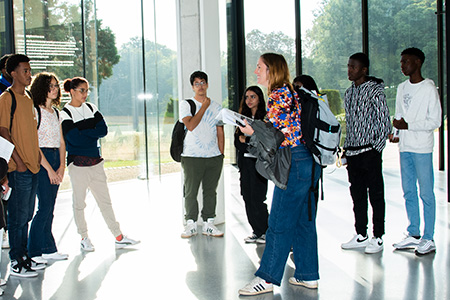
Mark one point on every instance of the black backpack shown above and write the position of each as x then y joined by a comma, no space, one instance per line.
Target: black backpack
178,135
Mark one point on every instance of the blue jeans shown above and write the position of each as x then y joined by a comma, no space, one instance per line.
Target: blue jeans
41,238
20,210
418,167
289,224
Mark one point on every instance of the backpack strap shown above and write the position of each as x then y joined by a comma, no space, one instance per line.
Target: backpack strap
90,106
13,108
14,105
39,114
56,111
193,107
67,112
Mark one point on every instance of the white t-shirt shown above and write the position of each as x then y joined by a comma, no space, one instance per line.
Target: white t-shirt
418,104
202,141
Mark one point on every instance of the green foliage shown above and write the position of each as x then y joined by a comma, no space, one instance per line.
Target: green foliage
259,43
334,101
393,26
170,111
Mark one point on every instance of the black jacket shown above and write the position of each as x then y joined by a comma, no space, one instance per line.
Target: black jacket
272,162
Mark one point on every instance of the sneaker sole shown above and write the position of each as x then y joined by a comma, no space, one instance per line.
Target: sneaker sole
87,250
424,253
409,246
245,293
213,235
354,247
373,251
29,275
309,286
184,236
121,246
57,258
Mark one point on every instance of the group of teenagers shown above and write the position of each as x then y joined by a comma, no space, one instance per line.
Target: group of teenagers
290,226
46,140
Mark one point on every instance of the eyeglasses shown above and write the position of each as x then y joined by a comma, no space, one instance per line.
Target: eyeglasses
54,86
82,91
201,83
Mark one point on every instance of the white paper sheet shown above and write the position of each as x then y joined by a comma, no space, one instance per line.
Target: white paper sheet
6,149
228,116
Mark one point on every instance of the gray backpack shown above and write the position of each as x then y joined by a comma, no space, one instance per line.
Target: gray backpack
320,128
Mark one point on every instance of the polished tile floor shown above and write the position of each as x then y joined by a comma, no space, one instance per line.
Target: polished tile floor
164,266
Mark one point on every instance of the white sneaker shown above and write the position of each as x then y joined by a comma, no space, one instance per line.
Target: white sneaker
190,229
255,287
358,241
5,243
425,247
2,282
1,291
407,243
125,242
261,239
310,284
375,245
251,239
86,245
55,256
39,260
210,229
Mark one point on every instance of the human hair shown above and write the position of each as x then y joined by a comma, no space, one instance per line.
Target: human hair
70,84
278,71
261,109
13,62
3,60
416,52
40,87
362,58
307,82
199,75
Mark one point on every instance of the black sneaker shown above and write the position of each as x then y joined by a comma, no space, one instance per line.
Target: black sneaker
33,265
21,269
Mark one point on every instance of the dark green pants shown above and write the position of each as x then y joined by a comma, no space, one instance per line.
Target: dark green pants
207,172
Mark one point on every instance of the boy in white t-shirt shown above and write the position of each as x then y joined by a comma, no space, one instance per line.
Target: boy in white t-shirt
202,157
419,108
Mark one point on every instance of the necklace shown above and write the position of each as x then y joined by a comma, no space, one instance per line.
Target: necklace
77,109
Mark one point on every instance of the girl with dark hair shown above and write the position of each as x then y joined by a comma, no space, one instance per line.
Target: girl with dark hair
307,82
253,185
46,95
83,125
289,222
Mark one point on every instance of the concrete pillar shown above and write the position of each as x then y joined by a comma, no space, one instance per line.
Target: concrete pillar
199,49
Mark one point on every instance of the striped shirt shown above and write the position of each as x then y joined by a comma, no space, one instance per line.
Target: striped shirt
367,117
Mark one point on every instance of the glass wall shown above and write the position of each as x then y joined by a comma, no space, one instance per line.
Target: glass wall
331,32
128,57
395,26
269,34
